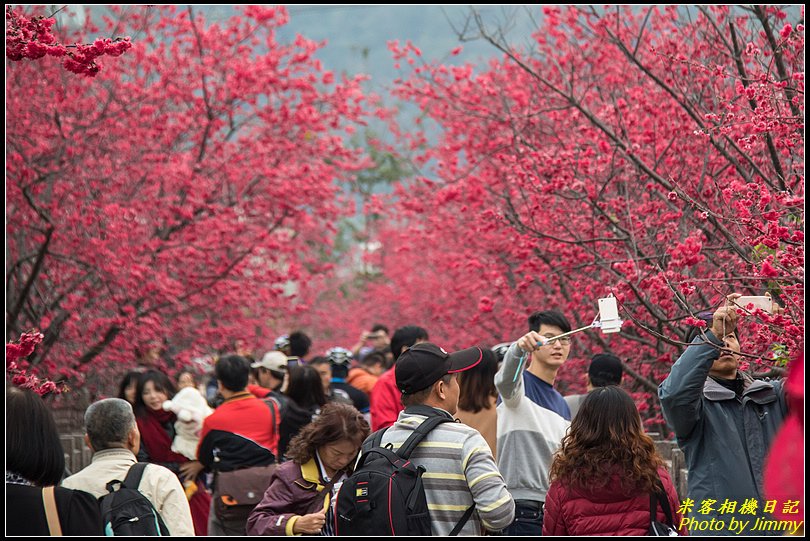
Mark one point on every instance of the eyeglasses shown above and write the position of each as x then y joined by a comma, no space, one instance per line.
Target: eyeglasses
565,340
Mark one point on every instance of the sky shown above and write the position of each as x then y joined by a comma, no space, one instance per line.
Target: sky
356,36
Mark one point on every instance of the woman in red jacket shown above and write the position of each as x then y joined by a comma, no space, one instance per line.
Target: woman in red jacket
605,471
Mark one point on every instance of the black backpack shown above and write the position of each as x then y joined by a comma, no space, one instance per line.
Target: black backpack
127,511
385,494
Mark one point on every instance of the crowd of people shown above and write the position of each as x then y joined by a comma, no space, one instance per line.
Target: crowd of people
510,455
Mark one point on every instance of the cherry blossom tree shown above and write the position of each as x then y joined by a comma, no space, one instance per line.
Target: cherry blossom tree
181,199
654,153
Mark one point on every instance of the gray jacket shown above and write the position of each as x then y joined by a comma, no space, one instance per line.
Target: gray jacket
724,439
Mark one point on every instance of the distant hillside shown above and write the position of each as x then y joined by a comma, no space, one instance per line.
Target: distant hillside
357,35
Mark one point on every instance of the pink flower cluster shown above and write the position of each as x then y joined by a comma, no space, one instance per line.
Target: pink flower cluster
20,377
33,39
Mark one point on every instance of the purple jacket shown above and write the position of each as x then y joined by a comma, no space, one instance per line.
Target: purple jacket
294,490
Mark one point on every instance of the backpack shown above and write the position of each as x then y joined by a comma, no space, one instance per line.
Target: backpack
385,494
127,511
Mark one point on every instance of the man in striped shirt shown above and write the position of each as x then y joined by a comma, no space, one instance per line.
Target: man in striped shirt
460,470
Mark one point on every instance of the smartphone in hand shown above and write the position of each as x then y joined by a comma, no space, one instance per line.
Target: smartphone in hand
764,303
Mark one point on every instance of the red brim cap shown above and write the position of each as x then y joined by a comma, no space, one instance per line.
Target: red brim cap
464,359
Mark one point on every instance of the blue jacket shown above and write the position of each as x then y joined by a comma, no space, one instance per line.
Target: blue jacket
724,439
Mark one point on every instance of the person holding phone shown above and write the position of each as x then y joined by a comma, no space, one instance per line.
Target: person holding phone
376,339
723,419
532,416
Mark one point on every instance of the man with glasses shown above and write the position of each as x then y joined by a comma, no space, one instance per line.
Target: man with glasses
532,416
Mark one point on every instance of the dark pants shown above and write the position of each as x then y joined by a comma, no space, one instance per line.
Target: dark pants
528,518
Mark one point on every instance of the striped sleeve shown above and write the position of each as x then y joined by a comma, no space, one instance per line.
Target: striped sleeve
494,504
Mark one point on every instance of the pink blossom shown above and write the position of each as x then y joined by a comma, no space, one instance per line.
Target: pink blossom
485,304
47,387
768,270
695,322
35,50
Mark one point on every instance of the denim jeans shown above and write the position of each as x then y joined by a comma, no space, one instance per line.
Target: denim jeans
528,518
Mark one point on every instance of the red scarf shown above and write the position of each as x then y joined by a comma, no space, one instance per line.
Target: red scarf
155,438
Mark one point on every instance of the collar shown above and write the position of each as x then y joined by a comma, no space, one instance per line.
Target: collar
310,472
116,453
311,480
424,410
239,396
17,479
757,390
321,468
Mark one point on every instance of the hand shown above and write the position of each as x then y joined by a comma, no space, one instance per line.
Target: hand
190,470
310,524
724,320
531,341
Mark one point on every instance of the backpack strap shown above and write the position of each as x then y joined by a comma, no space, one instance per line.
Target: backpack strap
660,497
133,478
467,514
274,406
421,431
374,440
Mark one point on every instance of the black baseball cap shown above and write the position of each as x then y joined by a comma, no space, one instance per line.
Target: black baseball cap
424,364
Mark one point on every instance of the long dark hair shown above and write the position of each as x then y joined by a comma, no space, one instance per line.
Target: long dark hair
33,449
161,382
336,422
305,387
605,439
129,377
477,385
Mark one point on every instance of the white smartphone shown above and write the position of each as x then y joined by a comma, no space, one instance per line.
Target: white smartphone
764,303
608,309
609,315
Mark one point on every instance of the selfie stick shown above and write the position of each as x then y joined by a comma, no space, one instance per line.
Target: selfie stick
607,319
569,333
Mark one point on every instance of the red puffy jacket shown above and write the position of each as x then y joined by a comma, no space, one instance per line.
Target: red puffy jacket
604,511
